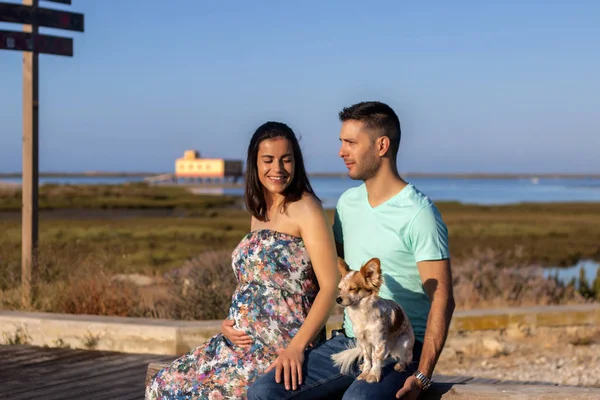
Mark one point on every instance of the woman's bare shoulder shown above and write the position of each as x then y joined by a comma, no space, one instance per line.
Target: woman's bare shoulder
307,205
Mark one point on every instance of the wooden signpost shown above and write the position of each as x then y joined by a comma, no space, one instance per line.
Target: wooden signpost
31,43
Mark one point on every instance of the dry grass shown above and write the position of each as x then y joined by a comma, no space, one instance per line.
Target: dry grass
90,234
202,288
483,281
71,281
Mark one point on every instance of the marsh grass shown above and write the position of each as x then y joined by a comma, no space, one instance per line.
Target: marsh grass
123,196
90,234
484,281
154,241
202,288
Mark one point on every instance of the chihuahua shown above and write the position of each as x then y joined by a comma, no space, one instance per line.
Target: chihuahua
380,326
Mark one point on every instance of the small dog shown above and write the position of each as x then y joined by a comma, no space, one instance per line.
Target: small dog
381,326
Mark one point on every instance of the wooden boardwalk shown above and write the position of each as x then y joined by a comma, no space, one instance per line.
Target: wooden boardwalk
29,372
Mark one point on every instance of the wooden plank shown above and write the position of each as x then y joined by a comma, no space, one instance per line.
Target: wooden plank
487,381
451,379
101,375
34,359
65,357
47,373
153,368
79,380
128,379
118,392
58,374
69,374
44,44
540,383
15,350
71,363
29,13
33,353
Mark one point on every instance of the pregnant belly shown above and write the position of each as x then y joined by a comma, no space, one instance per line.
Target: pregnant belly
267,314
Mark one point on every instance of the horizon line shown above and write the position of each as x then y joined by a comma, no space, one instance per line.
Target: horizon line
497,175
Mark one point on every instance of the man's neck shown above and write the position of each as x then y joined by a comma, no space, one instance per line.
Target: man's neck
384,185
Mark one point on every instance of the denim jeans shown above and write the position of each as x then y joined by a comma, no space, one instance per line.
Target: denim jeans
322,380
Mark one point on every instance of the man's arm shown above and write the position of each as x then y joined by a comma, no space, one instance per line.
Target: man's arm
428,236
437,282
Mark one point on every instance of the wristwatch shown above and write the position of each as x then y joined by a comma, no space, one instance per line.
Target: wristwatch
425,381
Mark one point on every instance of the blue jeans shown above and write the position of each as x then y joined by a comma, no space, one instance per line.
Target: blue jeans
322,380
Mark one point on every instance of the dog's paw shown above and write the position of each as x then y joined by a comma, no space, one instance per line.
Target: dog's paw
372,378
363,376
400,366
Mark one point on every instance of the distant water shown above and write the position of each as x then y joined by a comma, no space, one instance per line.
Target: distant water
589,267
481,191
468,191
474,191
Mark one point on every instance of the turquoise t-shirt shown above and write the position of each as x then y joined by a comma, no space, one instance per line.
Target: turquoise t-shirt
404,230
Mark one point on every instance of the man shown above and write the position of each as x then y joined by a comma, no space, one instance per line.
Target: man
388,218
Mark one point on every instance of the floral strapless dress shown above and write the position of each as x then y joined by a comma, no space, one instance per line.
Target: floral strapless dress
276,288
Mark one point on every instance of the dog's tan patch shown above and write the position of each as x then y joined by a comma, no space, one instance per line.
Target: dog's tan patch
371,272
398,321
342,267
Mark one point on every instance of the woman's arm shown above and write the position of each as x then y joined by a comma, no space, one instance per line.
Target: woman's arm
318,239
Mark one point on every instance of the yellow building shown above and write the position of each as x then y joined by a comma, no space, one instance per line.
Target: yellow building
192,166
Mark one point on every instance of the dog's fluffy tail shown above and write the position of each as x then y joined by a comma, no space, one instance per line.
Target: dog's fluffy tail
344,359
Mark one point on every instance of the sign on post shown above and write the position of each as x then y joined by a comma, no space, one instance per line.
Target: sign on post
46,44
46,17
31,43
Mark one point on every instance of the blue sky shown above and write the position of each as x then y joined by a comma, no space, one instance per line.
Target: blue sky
479,86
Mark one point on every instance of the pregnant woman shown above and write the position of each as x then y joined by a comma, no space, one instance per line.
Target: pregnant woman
287,278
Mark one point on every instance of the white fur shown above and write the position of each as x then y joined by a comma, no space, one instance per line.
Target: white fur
376,325
346,358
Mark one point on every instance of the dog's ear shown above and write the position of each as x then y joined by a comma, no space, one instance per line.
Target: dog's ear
372,273
342,267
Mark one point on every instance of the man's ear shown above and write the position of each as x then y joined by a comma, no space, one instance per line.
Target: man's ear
342,267
372,272
383,145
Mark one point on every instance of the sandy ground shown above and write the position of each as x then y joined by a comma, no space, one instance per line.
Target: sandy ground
567,356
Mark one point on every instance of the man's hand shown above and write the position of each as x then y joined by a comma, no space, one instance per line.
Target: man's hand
236,337
289,361
411,389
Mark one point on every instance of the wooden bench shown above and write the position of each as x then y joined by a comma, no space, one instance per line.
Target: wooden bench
465,387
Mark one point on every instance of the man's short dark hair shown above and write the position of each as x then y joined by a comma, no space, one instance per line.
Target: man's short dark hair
376,116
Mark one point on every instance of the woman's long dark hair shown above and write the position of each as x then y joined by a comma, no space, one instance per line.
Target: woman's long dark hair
254,192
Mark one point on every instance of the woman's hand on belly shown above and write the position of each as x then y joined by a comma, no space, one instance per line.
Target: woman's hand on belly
239,338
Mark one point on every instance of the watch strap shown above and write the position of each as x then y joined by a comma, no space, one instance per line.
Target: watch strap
425,381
